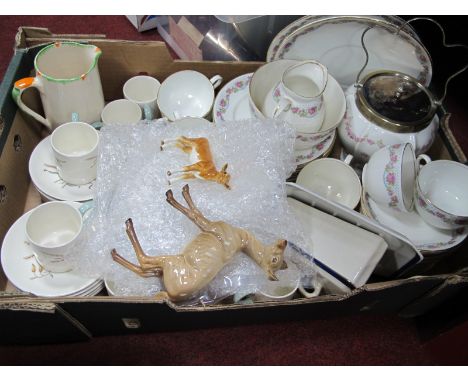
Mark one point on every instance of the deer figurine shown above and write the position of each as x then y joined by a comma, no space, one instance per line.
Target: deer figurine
188,272
201,161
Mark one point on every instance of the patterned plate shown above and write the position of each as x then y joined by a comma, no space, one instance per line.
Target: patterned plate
425,237
232,101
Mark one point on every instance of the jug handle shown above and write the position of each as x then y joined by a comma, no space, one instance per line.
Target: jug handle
17,91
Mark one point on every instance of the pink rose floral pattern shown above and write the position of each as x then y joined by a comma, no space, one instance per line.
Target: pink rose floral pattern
390,177
303,112
223,104
429,208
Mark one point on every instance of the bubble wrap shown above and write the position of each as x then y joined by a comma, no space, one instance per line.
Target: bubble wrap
132,182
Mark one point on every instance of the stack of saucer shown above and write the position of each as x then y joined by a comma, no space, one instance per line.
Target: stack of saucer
47,181
21,266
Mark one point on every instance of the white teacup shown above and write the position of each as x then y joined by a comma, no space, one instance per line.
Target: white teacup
298,97
442,194
143,90
187,94
121,111
333,179
75,146
389,176
192,122
51,229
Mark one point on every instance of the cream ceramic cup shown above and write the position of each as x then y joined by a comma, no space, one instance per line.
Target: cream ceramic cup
51,229
143,90
333,179
75,146
442,194
187,94
121,111
389,176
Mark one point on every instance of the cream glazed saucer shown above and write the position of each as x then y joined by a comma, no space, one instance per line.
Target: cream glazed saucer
47,181
232,101
426,238
25,273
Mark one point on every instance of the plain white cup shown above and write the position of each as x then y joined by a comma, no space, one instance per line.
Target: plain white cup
143,90
187,94
75,146
442,194
121,111
51,229
333,179
389,176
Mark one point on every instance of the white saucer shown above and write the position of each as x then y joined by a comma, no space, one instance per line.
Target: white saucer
232,101
47,180
25,273
319,150
425,237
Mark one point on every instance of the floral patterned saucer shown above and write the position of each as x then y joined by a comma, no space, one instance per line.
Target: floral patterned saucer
426,238
319,150
47,181
232,101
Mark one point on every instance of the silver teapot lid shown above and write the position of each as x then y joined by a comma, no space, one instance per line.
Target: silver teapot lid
395,101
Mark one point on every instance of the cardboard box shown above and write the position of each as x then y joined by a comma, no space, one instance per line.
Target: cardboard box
29,319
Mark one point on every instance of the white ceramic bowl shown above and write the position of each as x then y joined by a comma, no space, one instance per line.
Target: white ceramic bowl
442,194
333,179
187,93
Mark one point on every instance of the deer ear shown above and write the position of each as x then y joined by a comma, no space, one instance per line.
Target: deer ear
224,168
284,265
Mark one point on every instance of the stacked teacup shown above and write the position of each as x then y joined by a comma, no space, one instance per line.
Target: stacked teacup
395,179
306,96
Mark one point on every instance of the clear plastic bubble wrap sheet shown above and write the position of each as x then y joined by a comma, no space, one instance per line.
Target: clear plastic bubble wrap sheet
132,182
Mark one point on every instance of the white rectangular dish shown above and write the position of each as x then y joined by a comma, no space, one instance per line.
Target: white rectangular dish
351,252
400,256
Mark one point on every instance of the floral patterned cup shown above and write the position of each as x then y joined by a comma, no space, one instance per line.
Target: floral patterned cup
441,194
389,176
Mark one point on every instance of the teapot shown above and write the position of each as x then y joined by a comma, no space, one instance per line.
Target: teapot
388,107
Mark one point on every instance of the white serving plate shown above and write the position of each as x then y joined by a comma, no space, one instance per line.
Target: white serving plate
335,41
401,254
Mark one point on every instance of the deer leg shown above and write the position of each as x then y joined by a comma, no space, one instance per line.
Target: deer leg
168,143
201,221
188,175
135,268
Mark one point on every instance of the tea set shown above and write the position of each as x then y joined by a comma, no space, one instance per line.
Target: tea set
385,120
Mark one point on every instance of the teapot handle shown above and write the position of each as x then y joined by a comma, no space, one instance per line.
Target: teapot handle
398,29
444,43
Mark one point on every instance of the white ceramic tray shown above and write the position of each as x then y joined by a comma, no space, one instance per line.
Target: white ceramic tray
401,254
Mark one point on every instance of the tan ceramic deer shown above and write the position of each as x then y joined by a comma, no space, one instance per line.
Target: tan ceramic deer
201,260
202,165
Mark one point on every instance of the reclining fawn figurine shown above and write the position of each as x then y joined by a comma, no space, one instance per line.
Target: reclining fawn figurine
201,260
202,165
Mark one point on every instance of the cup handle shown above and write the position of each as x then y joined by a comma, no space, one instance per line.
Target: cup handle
85,207
317,289
216,81
348,159
422,158
283,106
148,112
17,91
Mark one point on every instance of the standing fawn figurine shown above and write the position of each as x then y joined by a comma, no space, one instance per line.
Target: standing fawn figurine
201,260
202,165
